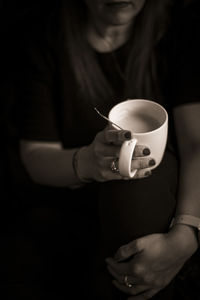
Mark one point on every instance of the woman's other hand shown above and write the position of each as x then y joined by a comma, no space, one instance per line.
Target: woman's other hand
148,264
95,160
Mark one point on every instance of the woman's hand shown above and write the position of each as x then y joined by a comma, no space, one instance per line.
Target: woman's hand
148,264
95,160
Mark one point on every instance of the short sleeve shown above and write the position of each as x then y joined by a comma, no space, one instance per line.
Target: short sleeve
35,86
185,68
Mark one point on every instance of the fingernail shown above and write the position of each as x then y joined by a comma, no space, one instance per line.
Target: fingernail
127,135
152,162
147,173
146,151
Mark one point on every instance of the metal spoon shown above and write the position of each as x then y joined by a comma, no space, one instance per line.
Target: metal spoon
107,119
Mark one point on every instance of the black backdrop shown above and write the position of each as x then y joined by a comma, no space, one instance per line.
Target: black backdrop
16,18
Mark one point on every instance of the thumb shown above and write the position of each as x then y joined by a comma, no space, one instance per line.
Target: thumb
126,251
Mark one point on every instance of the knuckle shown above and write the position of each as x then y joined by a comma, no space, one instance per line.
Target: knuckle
146,173
135,245
143,163
136,163
109,136
139,174
136,176
138,150
139,270
122,251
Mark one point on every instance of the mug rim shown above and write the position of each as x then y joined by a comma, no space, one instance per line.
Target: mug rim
143,100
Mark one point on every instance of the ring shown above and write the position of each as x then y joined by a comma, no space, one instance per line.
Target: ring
127,282
113,166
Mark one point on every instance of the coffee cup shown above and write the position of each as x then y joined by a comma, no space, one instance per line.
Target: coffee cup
148,122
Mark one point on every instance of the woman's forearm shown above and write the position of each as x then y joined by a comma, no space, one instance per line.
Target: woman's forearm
188,202
187,124
49,164
189,185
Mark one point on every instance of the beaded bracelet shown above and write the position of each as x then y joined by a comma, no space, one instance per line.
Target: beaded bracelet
75,160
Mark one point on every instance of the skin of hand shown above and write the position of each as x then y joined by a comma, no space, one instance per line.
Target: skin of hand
152,261
95,159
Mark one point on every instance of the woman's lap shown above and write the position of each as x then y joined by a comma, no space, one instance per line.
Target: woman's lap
126,210
131,209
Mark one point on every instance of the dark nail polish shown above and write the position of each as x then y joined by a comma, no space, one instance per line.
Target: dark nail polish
147,173
127,135
146,151
152,162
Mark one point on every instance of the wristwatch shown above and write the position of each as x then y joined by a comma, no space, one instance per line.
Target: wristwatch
187,220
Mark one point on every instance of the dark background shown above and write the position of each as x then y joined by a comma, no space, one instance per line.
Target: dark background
17,19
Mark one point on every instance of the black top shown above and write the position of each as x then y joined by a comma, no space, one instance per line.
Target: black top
50,107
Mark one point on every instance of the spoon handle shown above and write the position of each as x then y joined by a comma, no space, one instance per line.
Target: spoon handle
107,119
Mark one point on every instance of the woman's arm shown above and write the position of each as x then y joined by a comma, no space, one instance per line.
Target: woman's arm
187,124
48,163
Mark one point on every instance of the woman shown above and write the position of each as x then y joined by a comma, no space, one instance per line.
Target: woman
96,53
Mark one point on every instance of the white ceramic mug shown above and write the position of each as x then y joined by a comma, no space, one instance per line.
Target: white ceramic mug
148,123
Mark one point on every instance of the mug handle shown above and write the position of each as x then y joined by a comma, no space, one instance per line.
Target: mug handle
125,158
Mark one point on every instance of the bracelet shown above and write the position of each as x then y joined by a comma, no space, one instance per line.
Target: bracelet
75,161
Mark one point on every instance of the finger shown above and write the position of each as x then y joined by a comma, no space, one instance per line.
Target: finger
121,278
112,170
142,173
117,137
110,175
128,250
119,268
118,277
111,151
142,163
141,150
122,287
128,290
144,296
124,268
142,168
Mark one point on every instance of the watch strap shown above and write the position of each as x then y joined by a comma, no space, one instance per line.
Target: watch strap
187,220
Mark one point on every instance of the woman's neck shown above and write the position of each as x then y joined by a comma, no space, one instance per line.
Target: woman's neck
108,38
